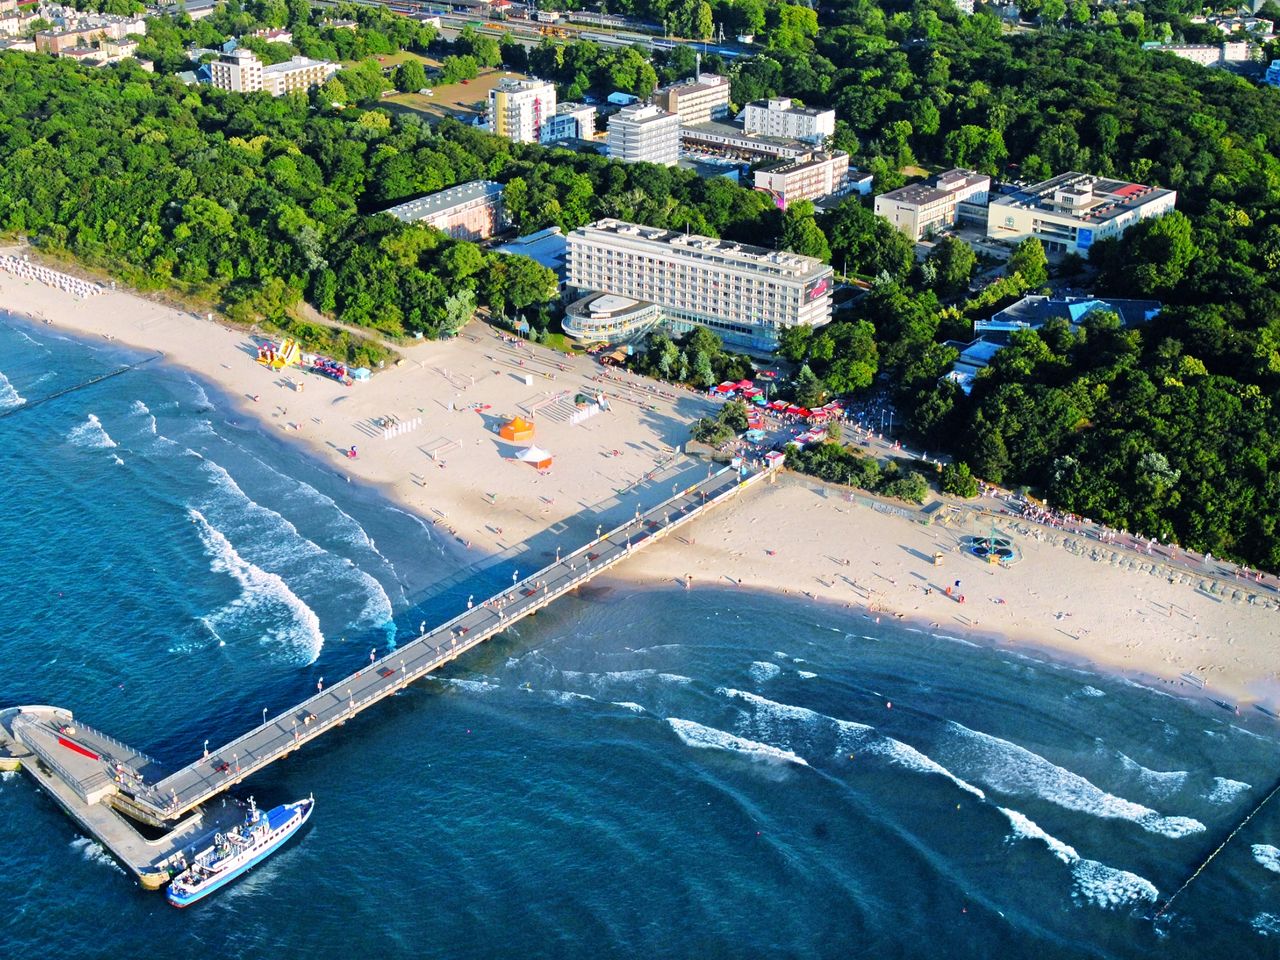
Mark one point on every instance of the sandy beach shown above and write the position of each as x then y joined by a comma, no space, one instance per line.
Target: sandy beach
1171,628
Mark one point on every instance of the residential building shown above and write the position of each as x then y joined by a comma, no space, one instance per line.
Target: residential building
7,6
572,121
746,294
1231,53
922,209
519,108
274,36
965,7
777,117
469,211
731,141
1073,210
704,98
240,71
808,178
1273,74
1230,25
644,133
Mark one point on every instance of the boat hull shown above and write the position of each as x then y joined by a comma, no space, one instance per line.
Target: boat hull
182,899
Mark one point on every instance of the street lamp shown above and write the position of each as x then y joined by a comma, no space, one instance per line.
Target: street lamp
206,749
557,554
264,716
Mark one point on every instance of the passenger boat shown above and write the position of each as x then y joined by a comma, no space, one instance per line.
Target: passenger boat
235,851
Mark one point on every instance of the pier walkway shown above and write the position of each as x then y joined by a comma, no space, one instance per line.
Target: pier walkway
86,768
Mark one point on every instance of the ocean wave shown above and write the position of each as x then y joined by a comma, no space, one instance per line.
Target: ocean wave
9,396
1267,924
471,686
1267,855
264,595
142,410
762,672
1226,791
781,722
1095,883
805,675
1091,692
709,738
91,435
278,544
628,705
1015,770
93,852
1161,781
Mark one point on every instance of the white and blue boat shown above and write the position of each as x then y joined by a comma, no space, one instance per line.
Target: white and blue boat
237,850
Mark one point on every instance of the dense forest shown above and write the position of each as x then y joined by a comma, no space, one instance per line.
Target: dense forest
1170,428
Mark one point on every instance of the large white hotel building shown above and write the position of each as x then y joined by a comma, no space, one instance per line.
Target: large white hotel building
635,276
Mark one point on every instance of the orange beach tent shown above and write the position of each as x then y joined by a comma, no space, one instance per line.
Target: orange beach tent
517,430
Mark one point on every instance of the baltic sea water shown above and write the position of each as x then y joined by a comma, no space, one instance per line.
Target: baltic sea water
637,771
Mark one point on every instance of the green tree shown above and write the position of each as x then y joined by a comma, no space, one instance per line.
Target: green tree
410,76
1029,260
958,480
954,261
801,233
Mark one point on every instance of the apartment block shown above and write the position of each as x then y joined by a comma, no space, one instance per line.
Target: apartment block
518,109
1073,210
808,178
922,209
746,294
240,71
704,98
644,133
469,211
778,117
572,121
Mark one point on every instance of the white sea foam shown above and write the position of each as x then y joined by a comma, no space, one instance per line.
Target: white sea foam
709,738
265,594
9,396
91,435
471,686
277,544
1226,791
8,774
565,697
142,410
1267,924
780,655
1095,883
1161,781
92,851
805,674
1012,769
628,705
1092,692
787,723
1267,855
762,671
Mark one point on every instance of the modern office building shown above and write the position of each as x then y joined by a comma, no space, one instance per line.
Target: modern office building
572,121
921,209
705,97
808,178
777,117
518,109
746,294
1073,210
242,72
644,133
469,211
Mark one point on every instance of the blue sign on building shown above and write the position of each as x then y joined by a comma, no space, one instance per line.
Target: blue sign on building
1084,239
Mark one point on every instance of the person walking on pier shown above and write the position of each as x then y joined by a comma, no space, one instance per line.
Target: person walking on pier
373,655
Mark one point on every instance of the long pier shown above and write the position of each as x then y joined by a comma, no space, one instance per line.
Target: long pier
84,768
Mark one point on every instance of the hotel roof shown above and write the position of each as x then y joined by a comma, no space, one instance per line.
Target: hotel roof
698,247
1110,198
435,203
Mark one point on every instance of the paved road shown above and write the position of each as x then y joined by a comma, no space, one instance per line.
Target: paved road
184,789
